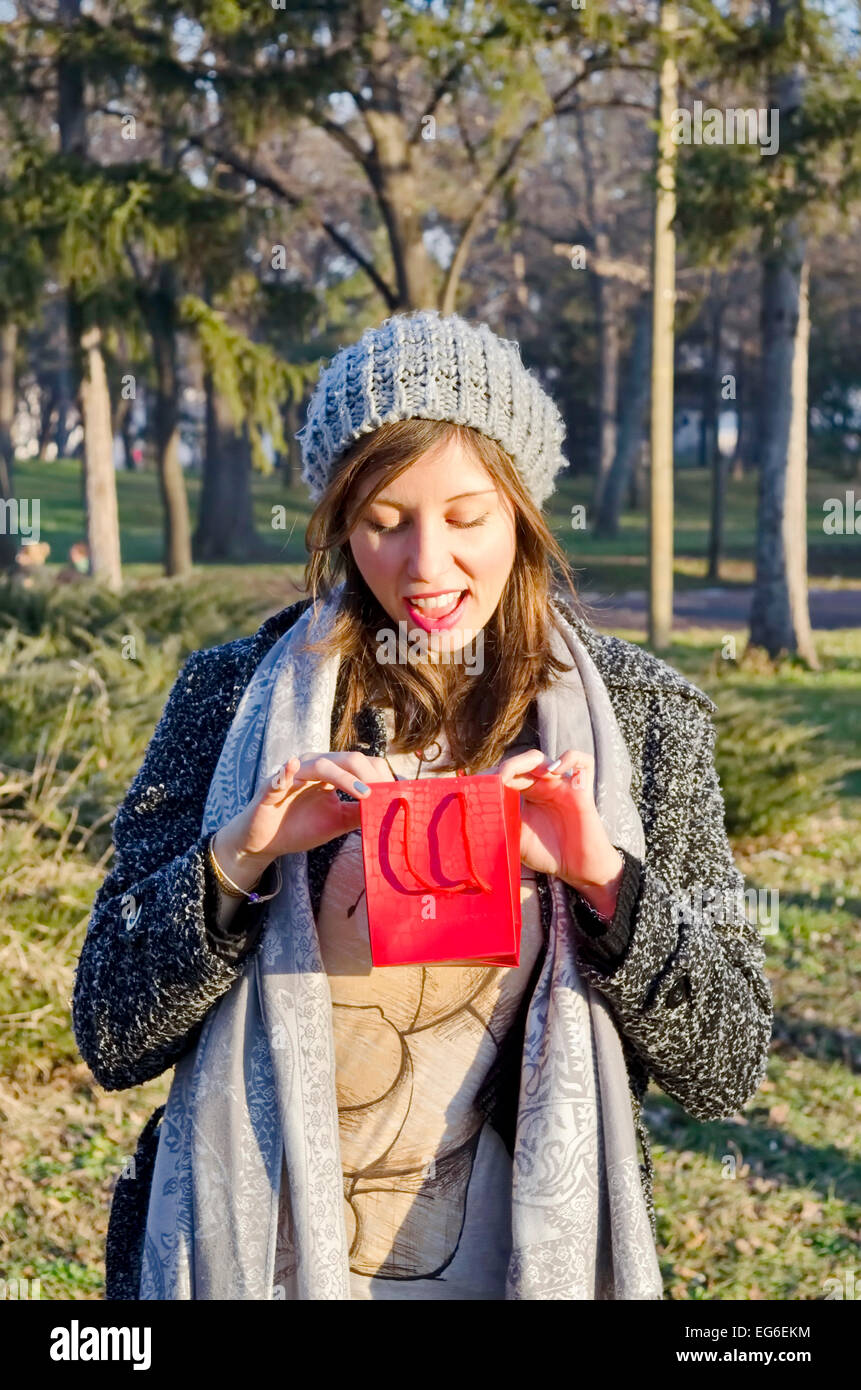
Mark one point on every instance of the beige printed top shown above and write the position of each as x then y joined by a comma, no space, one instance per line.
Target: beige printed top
427,1183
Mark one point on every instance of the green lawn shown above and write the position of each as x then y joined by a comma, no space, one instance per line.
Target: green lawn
607,565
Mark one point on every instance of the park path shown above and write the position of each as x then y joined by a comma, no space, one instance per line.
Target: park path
721,607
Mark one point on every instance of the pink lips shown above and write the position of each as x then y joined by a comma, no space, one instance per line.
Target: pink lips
433,624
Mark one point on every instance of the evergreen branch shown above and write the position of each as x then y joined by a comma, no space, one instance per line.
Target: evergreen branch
253,380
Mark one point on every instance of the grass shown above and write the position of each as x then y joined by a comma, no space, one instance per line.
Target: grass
763,1206
610,566
767,1206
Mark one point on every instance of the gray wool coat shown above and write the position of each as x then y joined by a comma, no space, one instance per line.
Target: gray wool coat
680,965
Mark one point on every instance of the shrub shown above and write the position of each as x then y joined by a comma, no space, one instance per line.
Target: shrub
774,771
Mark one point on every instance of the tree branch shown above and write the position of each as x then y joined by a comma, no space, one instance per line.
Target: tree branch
265,173
442,87
343,137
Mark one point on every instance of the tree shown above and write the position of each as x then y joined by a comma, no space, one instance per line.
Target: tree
605,302
779,615
714,459
430,111
85,334
733,193
634,399
663,341
8,349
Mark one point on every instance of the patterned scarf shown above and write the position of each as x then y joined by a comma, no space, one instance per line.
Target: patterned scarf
256,1096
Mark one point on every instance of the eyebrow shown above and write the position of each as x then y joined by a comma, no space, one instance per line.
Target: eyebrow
399,506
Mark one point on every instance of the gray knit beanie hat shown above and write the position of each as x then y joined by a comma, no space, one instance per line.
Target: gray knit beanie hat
435,367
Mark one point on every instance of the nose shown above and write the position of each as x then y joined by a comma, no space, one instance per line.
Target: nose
428,551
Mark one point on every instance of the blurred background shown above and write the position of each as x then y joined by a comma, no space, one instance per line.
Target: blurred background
201,203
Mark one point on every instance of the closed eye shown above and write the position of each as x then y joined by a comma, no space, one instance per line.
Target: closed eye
380,530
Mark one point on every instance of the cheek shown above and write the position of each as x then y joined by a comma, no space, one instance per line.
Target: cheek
374,561
496,552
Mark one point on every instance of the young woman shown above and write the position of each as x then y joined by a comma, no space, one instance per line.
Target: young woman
452,1131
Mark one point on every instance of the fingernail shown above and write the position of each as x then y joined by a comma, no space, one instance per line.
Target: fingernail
360,787
555,763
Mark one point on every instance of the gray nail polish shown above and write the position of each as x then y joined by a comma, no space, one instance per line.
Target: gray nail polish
360,787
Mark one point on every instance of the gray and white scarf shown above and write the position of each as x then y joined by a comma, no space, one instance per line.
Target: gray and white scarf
256,1096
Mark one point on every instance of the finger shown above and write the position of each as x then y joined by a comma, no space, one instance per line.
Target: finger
521,765
284,783
574,767
365,768
281,783
360,765
332,774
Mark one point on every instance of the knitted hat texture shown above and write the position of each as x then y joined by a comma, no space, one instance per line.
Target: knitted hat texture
432,366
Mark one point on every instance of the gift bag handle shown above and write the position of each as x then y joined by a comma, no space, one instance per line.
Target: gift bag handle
477,880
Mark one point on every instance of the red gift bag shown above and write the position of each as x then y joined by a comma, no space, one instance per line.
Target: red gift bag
442,871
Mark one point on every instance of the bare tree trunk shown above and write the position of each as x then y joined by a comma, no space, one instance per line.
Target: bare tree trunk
161,314
796,482
292,459
48,415
225,523
640,476
85,342
123,413
744,416
123,427
63,412
65,386
606,326
225,517
390,167
663,339
8,350
779,617
608,354
720,470
633,397
103,526
714,458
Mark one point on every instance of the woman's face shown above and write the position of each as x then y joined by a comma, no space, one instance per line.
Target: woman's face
440,529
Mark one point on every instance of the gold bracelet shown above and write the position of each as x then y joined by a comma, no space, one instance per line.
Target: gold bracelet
232,889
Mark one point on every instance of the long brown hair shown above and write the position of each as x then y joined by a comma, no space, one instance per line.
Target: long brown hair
479,717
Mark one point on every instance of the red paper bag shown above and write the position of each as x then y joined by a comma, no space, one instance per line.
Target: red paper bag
442,871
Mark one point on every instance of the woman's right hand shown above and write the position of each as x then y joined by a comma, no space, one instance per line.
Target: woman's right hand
296,811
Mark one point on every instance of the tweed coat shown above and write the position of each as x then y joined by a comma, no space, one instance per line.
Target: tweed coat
680,965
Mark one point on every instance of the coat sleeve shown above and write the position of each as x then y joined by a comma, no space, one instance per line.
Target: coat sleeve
150,970
689,991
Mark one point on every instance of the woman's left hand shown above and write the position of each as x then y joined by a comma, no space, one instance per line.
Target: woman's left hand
561,831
